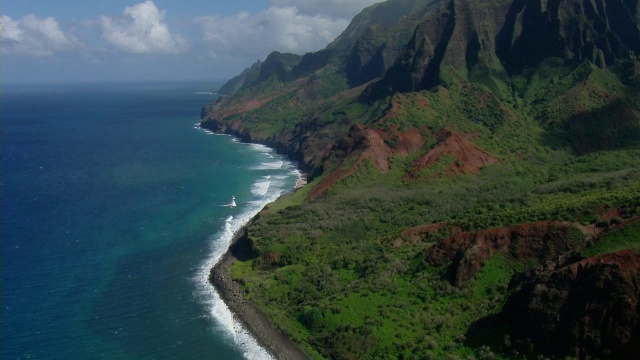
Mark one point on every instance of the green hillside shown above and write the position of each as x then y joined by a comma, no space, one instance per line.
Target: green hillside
454,148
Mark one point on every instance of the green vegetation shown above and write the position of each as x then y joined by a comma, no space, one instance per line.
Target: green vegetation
342,290
329,276
621,239
344,271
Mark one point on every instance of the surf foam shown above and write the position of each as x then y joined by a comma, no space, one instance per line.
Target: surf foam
261,187
269,166
261,148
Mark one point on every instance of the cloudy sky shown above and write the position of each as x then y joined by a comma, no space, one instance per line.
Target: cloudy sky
80,40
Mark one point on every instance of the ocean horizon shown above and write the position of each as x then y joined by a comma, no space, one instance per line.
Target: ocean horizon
115,205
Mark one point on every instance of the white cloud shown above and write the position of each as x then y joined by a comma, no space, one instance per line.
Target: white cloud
277,28
141,30
346,9
34,36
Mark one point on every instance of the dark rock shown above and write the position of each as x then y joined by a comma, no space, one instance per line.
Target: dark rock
465,253
588,308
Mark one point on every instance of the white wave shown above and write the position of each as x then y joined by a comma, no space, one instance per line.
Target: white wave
228,225
206,131
209,132
261,188
262,148
270,165
205,93
231,204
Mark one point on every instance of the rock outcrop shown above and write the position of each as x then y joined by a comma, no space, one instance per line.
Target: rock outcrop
489,41
465,253
363,143
468,158
587,309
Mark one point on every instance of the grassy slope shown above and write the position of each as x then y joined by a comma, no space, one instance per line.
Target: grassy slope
621,239
328,275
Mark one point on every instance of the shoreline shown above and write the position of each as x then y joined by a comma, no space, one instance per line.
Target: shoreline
270,338
247,313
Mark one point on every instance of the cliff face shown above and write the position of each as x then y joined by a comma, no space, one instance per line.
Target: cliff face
376,38
309,148
452,36
588,308
488,41
599,31
483,40
416,45
465,253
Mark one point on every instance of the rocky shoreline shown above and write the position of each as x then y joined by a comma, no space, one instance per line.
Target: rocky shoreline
254,320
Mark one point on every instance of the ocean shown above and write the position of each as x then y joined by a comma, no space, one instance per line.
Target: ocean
115,205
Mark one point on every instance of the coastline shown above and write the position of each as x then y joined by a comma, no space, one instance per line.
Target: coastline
270,338
252,318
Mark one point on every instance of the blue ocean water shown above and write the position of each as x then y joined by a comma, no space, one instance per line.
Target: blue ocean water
114,207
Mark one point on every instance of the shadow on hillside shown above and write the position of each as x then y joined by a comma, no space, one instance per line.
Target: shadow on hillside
487,334
242,248
612,127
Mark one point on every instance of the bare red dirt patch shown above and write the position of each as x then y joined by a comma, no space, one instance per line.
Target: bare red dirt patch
468,157
467,252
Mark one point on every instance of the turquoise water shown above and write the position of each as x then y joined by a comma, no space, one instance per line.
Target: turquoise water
113,209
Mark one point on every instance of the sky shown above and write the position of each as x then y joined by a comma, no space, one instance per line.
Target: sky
118,40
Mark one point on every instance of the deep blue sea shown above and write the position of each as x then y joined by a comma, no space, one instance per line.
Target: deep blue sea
114,208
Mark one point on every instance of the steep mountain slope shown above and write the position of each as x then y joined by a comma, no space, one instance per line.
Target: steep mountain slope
452,146
487,41
594,311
